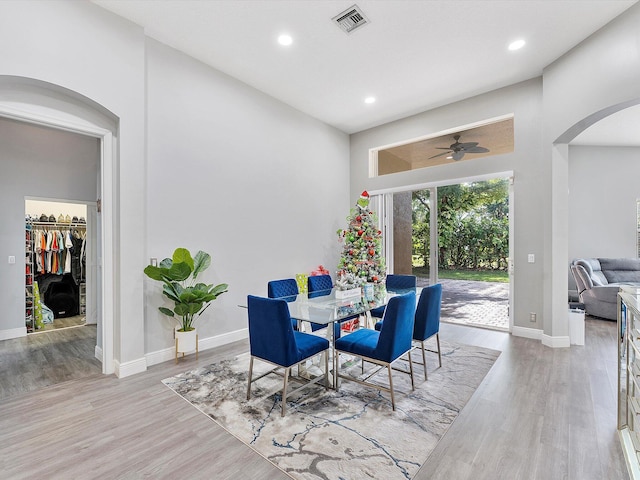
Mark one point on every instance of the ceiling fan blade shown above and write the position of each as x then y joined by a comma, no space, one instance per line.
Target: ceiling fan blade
440,154
476,150
467,145
458,155
443,148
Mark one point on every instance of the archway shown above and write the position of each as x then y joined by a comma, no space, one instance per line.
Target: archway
556,334
37,102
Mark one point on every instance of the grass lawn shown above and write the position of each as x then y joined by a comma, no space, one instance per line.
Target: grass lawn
477,275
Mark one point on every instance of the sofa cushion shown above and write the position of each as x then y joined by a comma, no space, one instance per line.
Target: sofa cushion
592,266
620,270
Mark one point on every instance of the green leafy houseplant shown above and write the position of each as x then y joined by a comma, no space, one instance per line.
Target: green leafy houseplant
178,275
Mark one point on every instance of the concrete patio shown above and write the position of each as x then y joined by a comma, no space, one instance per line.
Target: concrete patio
481,304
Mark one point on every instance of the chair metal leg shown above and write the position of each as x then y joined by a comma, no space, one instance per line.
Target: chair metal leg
439,356
413,387
326,370
393,402
250,373
424,359
284,390
336,372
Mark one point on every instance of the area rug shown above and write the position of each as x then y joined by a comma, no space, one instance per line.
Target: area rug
348,434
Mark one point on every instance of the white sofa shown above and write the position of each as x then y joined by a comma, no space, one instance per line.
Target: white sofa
599,279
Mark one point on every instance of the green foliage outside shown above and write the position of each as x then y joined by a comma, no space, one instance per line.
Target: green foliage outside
500,276
473,227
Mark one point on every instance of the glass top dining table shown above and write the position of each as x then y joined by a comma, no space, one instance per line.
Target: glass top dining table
325,307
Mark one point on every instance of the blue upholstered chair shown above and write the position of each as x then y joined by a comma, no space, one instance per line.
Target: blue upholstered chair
285,289
273,340
318,286
385,346
395,283
427,321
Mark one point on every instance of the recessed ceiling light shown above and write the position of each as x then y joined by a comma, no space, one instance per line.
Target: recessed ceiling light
285,39
517,45
370,100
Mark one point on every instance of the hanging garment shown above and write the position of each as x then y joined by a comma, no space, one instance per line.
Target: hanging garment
68,246
83,257
61,250
76,252
47,266
54,252
39,252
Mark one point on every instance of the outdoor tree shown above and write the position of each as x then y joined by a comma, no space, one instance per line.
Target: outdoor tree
473,225
361,261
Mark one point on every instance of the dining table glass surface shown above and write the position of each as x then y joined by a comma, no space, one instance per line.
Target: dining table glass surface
325,307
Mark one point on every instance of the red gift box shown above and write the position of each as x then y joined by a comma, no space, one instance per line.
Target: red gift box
350,325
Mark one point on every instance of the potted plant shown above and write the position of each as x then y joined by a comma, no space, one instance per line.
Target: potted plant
178,275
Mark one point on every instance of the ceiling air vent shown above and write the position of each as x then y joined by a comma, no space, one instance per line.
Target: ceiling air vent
351,19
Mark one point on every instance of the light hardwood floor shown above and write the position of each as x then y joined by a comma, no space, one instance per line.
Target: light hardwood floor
540,413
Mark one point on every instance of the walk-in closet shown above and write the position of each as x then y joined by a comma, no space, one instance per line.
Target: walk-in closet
55,265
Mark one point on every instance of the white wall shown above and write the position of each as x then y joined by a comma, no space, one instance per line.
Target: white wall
258,185
35,162
596,78
264,187
98,57
603,190
524,101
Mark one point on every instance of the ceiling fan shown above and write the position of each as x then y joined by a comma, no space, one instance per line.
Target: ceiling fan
457,149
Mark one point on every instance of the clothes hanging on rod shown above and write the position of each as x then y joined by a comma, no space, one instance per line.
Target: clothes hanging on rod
59,248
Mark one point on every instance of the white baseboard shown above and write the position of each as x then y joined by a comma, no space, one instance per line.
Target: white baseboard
127,369
13,333
98,353
537,334
534,333
556,342
166,354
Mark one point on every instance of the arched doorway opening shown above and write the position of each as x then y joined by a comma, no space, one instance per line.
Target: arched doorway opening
556,333
41,103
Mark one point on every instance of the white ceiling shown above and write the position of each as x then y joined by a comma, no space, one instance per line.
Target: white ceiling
414,55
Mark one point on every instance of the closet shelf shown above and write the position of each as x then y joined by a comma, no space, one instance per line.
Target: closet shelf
56,224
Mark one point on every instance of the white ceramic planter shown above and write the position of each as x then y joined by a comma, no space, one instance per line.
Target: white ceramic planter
186,342
354,292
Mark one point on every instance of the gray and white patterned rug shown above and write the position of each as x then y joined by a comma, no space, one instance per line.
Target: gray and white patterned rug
349,434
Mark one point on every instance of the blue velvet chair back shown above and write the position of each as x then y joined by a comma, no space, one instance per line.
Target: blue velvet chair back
286,289
397,327
427,318
319,285
271,334
400,282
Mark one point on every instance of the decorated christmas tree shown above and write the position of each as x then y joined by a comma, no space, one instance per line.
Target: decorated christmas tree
362,261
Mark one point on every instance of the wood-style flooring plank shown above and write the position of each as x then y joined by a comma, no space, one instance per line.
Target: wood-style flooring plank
540,413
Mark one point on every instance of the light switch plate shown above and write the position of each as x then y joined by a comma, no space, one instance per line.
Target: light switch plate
531,258
12,259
